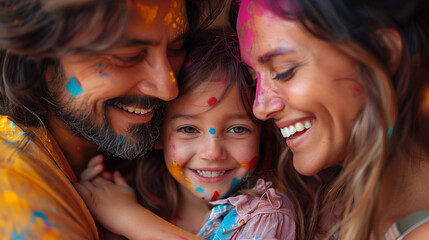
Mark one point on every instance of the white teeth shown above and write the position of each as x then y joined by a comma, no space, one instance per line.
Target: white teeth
210,174
297,127
307,124
134,109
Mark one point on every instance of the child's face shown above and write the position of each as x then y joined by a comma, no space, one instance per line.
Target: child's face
209,149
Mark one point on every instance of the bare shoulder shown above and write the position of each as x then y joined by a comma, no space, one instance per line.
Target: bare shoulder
421,232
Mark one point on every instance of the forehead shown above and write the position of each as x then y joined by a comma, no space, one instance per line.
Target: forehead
263,33
158,16
201,99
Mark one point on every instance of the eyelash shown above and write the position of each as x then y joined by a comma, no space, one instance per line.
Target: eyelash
131,60
285,75
192,130
185,129
244,129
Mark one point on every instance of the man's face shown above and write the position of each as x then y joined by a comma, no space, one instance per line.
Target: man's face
115,98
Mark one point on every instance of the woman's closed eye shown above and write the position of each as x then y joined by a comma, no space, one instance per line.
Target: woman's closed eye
284,75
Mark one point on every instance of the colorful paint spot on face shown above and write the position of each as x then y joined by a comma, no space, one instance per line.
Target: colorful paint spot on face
235,183
74,87
212,101
176,171
251,164
223,81
175,17
212,131
122,138
148,13
215,196
200,190
173,78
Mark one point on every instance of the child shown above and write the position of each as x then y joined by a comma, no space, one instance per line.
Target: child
211,146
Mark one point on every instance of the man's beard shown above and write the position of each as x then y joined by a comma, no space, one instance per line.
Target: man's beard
135,143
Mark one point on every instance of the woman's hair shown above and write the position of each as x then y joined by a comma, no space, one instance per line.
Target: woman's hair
34,34
394,120
213,55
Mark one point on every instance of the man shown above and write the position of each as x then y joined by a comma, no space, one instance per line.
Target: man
79,78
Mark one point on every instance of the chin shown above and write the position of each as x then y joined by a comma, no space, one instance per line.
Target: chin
306,168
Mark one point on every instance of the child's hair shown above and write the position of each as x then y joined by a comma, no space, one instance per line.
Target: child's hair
213,55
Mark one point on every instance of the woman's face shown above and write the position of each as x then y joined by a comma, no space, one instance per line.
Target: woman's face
309,87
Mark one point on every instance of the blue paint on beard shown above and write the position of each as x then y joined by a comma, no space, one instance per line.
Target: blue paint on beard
73,87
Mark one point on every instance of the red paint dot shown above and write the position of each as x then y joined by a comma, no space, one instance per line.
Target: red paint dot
78,83
215,196
212,101
253,163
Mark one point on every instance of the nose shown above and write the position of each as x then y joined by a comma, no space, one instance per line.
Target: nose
268,100
212,150
160,80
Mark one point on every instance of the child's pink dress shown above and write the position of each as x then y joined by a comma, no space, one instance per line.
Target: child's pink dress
247,217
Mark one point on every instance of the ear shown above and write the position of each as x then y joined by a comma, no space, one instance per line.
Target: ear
393,42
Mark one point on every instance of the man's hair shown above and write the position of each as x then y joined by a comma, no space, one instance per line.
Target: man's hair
34,34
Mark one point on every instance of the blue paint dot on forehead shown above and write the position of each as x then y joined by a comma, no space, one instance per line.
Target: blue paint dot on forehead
73,87
100,65
212,131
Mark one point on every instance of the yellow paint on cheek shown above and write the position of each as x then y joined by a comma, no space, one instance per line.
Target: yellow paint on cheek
173,78
177,171
148,13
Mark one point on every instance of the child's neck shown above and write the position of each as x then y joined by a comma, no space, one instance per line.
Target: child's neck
192,213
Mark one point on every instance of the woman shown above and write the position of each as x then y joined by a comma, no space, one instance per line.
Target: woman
347,84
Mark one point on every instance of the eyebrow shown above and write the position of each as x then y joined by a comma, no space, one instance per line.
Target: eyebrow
139,42
275,52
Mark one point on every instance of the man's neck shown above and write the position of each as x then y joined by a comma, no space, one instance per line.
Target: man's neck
77,150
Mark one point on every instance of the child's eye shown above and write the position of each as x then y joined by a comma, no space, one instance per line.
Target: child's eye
187,129
285,75
238,129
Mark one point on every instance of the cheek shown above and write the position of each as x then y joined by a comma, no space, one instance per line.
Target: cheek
250,164
176,170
